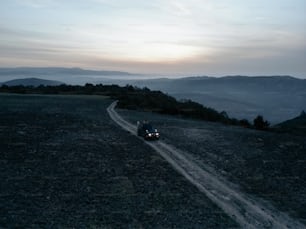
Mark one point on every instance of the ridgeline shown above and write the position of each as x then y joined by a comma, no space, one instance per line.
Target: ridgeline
135,98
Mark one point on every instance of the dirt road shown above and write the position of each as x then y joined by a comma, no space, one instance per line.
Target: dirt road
248,211
65,164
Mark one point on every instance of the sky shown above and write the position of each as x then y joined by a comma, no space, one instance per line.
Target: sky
166,37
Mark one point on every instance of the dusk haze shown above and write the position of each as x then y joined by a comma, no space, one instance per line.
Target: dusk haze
183,114
166,37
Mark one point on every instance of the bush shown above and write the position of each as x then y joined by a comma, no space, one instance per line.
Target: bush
134,98
260,123
245,123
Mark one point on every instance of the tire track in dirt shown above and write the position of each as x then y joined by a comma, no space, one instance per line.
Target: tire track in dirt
244,209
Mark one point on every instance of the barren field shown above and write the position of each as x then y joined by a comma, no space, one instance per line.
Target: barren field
268,166
64,163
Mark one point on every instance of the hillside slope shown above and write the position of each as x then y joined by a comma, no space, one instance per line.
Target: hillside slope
277,98
267,165
296,125
64,163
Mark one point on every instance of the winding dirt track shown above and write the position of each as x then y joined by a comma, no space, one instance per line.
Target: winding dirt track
244,209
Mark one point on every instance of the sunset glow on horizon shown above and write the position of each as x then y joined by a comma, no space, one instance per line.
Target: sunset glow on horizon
189,37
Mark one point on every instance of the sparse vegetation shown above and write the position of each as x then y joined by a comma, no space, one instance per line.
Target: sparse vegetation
295,126
260,123
245,123
143,99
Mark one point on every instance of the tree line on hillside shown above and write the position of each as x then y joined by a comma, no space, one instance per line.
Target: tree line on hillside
135,98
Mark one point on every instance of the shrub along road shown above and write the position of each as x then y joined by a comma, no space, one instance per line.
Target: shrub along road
245,209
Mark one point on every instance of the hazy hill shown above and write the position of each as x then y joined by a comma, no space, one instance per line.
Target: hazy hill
296,125
67,75
277,98
32,82
56,70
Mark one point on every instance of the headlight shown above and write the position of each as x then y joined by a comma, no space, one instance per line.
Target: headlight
150,135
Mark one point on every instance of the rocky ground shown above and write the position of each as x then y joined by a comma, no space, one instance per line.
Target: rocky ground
65,164
270,166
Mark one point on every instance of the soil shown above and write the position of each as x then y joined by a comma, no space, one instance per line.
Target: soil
65,164
269,166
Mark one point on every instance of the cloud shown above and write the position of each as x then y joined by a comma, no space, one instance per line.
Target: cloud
36,3
179,8
123,4
168,35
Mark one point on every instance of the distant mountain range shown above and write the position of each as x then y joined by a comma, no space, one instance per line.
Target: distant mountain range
67,75
277,98
31,82
57,70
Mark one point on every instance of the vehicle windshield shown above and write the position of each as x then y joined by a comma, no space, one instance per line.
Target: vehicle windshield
148,127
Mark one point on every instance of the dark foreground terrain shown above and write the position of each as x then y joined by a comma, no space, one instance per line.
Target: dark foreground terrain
65,164
270,166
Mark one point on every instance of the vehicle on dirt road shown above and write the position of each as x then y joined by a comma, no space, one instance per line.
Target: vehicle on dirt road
146,130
